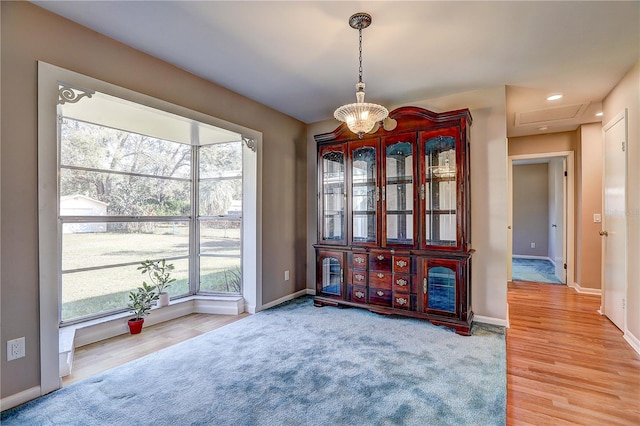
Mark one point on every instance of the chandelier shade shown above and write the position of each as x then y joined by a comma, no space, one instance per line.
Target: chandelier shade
361,117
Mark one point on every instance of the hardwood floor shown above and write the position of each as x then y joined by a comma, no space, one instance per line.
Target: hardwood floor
566,364
92,359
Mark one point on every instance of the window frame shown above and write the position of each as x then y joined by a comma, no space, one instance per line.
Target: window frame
49,228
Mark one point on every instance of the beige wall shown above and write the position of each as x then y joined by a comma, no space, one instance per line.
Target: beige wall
30,34
531,209
588,244
542,144
488,194
626,94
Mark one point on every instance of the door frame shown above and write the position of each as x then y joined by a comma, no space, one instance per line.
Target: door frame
623,115
569,217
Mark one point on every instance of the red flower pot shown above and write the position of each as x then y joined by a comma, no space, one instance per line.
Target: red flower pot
135,326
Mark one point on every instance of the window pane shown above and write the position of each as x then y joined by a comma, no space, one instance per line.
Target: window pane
220,236
221,197
86,245
104,290
97,147
220,274
221,160
88,193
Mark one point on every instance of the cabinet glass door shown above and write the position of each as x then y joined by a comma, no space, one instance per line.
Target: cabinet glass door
397,193
365,193
331,276
333,194
440,286
440,191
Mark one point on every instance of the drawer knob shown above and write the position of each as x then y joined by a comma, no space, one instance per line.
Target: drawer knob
380,257
359,277
359,294
380,293
401,282
401,263
358,260
380,275
401,301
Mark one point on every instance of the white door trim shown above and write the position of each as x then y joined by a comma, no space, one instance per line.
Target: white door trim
570,239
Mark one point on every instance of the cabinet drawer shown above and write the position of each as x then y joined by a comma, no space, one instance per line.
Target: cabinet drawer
402,283
402,264
380,261
401,300
357,293
379,279
359,277
359,261
380,296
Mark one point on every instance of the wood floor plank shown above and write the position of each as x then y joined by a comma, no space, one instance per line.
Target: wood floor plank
566,364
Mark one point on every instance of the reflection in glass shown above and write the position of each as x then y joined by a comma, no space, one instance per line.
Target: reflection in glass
333,195
331,276
441,202
399,193
364,195
442,289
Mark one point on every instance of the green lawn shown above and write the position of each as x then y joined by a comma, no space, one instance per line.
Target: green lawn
102,290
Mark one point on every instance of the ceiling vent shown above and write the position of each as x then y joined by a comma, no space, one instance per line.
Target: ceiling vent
566,112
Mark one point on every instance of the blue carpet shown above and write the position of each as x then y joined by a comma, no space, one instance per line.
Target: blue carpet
534,270
296,364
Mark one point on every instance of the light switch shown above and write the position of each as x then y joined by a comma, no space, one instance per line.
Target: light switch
597,218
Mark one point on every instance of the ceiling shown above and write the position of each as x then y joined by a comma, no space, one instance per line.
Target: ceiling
301,58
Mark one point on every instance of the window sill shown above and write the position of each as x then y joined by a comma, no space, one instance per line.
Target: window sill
85,333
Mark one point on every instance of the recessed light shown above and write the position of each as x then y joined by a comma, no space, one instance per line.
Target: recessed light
554,97
599,114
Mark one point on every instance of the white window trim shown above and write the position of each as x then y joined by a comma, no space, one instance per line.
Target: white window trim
48,78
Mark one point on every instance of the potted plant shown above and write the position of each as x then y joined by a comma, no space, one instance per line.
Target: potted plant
140,302
159,272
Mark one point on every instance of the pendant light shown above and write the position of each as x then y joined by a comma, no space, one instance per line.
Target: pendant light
361,117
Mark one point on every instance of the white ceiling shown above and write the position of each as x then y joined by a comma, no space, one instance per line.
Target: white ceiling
301,57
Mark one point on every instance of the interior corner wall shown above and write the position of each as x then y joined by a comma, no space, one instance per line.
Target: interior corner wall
488,194
30,34
626,95
530,209
589,243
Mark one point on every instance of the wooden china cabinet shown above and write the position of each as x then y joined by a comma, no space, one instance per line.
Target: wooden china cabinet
394,218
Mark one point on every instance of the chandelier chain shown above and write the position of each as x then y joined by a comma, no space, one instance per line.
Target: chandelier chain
360,52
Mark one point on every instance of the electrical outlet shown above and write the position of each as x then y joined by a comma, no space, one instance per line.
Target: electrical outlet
533,245
15,349
286,275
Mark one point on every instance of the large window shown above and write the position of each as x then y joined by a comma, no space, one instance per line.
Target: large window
135,184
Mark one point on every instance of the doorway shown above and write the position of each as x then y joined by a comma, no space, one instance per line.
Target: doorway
545,233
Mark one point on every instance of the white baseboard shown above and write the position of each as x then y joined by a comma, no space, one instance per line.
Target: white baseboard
492,321
20,398
285,298
219,306
586,290
633,341
311,292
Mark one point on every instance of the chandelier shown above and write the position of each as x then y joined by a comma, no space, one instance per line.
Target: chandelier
361,117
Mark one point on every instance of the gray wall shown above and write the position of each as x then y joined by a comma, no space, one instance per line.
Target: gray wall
29,34
530,209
